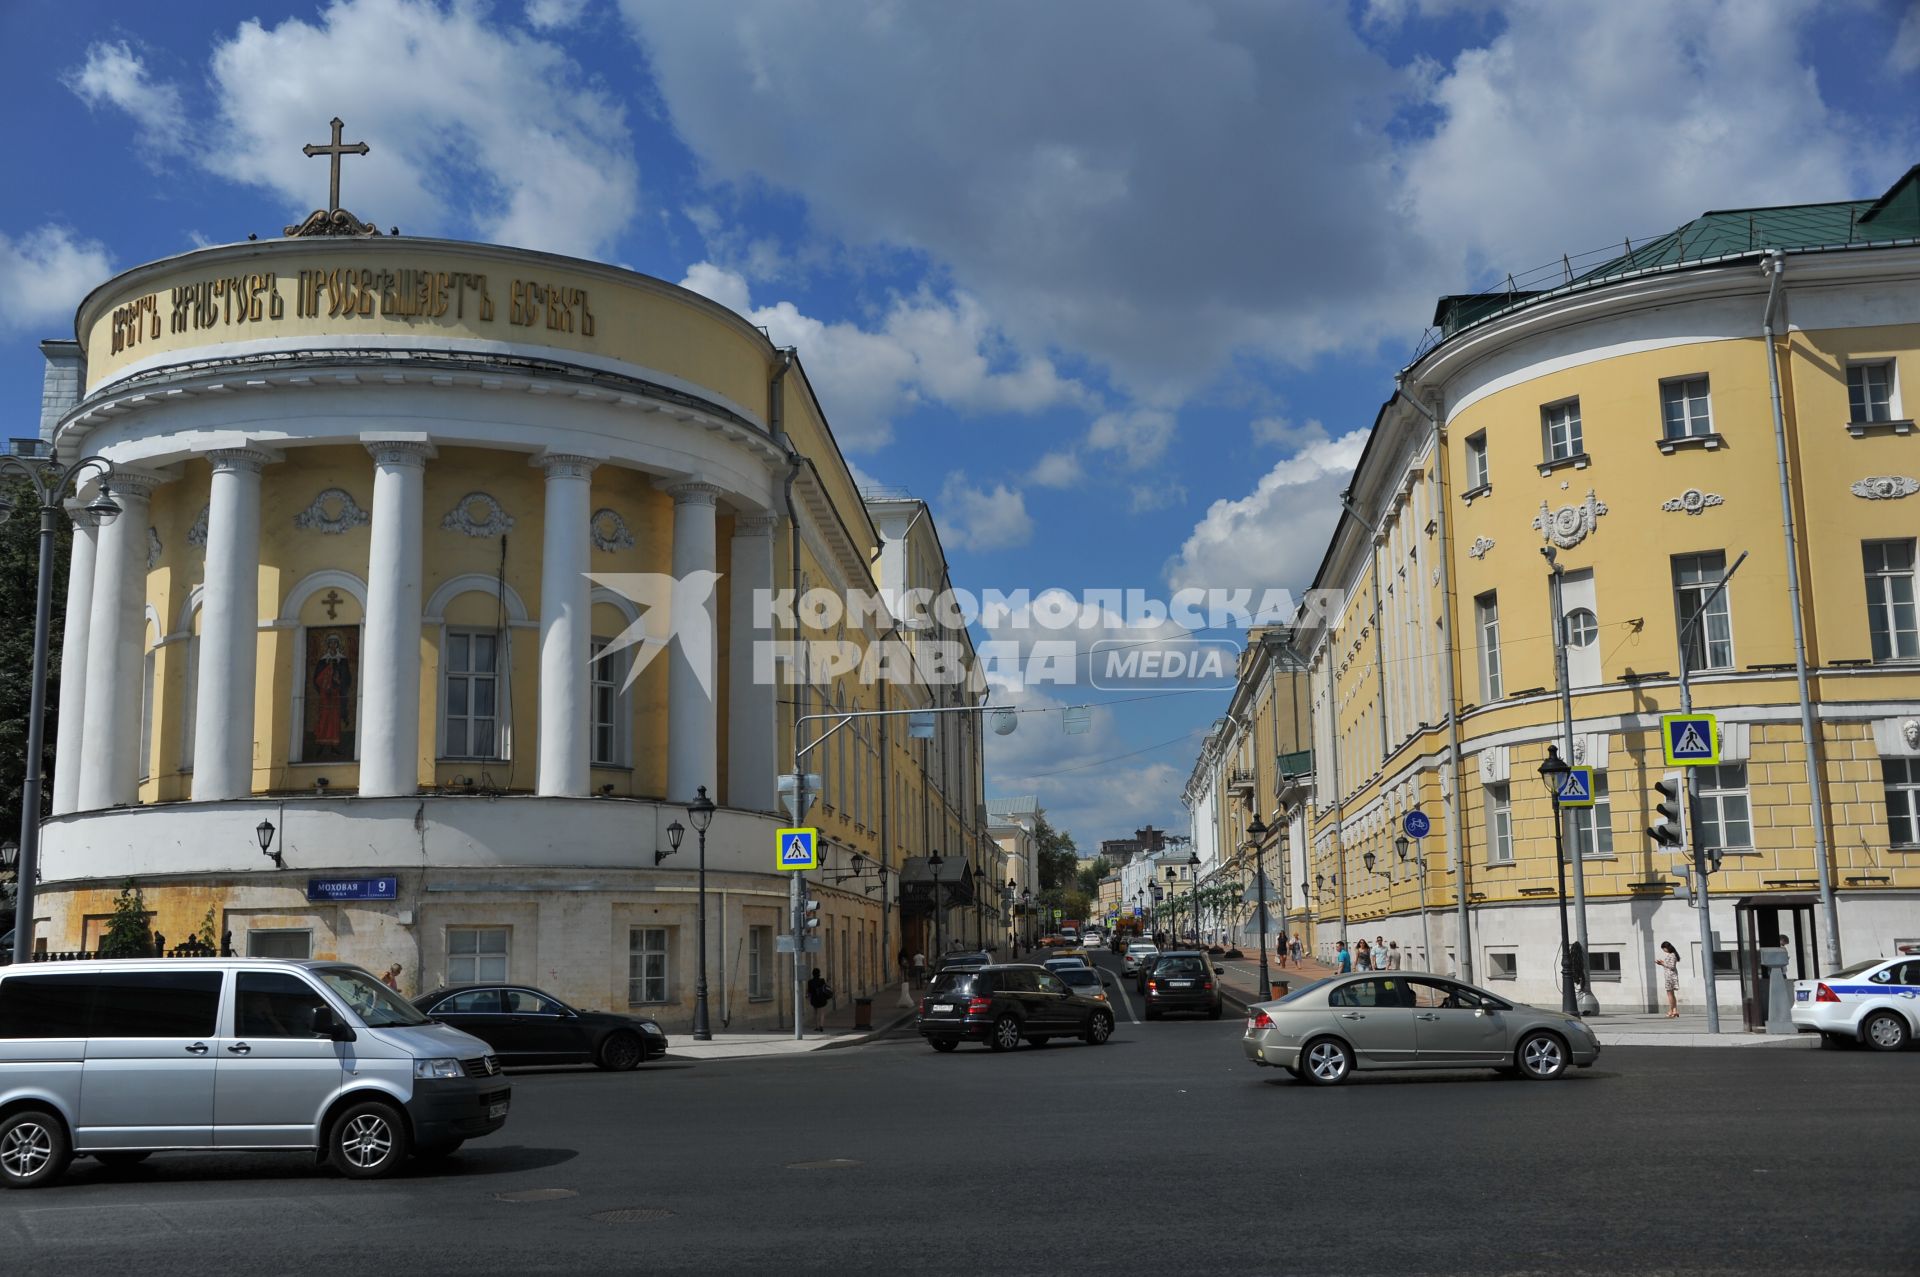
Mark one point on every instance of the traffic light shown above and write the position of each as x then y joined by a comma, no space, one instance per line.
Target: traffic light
1669,831
1707,860
810,915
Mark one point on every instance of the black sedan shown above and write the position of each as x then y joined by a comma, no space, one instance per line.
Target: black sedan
526,1026
1182,982
1002,1004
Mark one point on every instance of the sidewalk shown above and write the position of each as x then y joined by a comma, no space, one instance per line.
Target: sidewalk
888,1015
1241,984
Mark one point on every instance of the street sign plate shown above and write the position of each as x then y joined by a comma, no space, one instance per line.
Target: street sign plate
1416,824
1690,740
796,849
1576,789
789,786
784,944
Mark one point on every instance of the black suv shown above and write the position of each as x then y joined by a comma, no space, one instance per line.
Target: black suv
1181,981
1001,1004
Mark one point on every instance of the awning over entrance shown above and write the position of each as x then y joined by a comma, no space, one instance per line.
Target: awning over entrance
917,884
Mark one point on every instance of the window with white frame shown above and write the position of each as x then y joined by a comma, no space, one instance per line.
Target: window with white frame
1720,813
1685,409
1709,646
1890,599
476,955
1503,964
1870,391
1499,825
470,700
1604,964
1477,470
649,952
611,711
1560,427
1902,777
759,962
1486,611
1591,828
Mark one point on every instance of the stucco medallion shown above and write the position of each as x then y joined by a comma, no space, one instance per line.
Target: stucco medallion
1885,487
610,531
1479,548
1692,501
478,515
333,511
1569,525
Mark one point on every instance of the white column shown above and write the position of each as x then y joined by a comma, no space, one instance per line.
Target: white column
73,664
751,726
116,617
229,629
693,729
390,654
566,630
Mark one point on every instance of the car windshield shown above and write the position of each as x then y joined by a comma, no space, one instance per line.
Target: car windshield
1857,968
377,1006
1080,978
1301,992
1168,968
952,984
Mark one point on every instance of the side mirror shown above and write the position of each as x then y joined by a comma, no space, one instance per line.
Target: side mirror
1219,970
326,1025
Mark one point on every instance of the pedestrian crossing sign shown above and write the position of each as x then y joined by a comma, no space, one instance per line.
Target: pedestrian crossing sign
1576,788
796,849
1690,740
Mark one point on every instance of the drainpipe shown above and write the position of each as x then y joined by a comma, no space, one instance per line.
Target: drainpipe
1456,853
777,425
1775,267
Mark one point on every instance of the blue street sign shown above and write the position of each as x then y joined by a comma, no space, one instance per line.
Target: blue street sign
1416,824
1690,740
353,888
1577,789
796,849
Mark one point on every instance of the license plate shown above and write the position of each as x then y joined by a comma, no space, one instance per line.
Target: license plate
1800,995
496,1110
1181,984
943,1006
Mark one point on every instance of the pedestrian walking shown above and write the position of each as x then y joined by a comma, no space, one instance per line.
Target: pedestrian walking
1362,956
1669,964
1394,956
819,994
906,963
1295,949
1280,948
919,970
392,978
1343,956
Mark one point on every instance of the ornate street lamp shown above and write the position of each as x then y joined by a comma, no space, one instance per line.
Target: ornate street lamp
933,863
675,832
51,481
1553,774
264,832
1257,834
700,812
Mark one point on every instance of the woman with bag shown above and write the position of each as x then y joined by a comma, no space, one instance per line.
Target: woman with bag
1669,964
819,994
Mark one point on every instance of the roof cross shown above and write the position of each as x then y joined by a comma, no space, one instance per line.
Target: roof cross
334,151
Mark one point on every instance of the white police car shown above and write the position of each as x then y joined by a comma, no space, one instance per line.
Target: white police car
1877,1003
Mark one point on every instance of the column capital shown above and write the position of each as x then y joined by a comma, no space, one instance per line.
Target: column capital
129,483
241,460
755,525
408,453
694,493
565,465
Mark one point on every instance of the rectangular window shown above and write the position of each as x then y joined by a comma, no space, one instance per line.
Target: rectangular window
759,962
1592,827
608,672
1902,777
1685,409
1503,964
1499,826
1709,643
1486,610
1560,426
472,709
1870,391
1477,471
1890,599
155,1004
648,954
1720,815
476,955
1604,964
274,1004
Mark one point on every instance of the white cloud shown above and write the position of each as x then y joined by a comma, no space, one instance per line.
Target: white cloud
1904,54
1139,435
44,274
1057,470
1143,497
982,518
1273,537
1285,433
924,349
113,75
473,126
550,15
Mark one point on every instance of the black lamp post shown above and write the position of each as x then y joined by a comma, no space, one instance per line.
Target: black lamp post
1026,908
264,832
700,812
1553,774
1193,893
1013,921
934,862
50,481
1257,834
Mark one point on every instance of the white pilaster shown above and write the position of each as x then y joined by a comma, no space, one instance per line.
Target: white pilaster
116,616
390,654
566,631
73,662
229,629
751,728
693,729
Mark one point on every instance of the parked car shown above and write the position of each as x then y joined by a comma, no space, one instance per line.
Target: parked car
1080,956
1183,982
1876,1003
963,960
1144,971
1000,1005
118,1059
1136,953
1082,980
1323,1031
527,1026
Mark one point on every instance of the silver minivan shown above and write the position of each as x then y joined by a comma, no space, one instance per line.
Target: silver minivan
119,1059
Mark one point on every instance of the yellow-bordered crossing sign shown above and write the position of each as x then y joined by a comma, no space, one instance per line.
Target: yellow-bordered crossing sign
796,849
1690,740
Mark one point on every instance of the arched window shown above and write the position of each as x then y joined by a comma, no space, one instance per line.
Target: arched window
153,636
327,610
610,718
476,615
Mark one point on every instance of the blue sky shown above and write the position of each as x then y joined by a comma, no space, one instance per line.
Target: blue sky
1115,284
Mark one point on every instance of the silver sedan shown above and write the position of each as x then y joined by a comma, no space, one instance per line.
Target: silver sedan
1407,1020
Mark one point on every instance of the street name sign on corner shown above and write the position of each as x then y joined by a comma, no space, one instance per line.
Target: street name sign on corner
353,888
1416,824
1576,788
796,849
1690,740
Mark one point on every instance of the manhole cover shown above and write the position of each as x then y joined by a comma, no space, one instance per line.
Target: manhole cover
825,1164
631,1215
536,1195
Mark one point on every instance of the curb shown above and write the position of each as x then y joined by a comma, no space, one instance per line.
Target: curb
878,1031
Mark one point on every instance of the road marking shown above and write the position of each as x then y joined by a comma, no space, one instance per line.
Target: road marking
1106,974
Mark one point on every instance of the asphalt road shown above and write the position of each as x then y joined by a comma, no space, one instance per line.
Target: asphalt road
1161,1152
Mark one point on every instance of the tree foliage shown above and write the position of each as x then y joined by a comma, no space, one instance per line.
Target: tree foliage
1058,859
129,933
19,562
1091,874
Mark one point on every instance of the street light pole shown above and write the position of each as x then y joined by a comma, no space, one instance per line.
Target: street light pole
700,812
1553,772
1403,845
1256,834
50,481
933,863
1588,1003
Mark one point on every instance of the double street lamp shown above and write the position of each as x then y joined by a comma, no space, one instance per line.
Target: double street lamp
1257,834
51,482
1404,845
700,812
1553,774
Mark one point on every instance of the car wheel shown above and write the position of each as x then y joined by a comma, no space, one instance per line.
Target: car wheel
1099,1029
117,1159
368,1140
1006,1034
33,1148
1884,1031
620,1052
1326,1062
434,1152
943,1044
1542,1056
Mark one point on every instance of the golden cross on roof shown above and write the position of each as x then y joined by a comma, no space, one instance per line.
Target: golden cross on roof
334,151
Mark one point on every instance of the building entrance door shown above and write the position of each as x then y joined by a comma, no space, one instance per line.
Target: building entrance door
1762,922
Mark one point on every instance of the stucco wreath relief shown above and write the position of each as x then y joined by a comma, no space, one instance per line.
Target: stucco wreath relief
333,511
478,515
1569,525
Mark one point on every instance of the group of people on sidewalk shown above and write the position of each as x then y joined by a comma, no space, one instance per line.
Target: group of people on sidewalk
1288,947
1381,955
